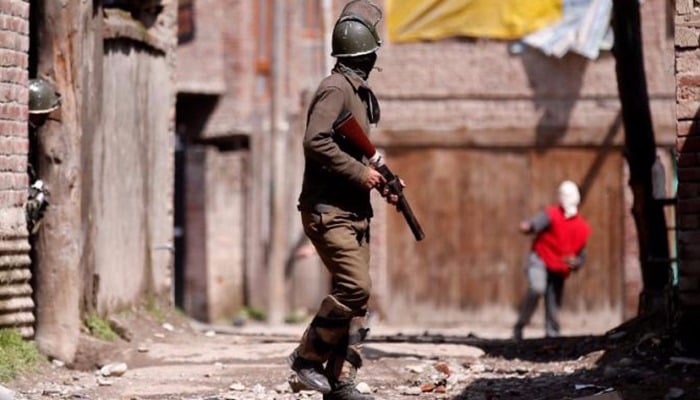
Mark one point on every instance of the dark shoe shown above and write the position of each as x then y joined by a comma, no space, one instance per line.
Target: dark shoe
346,391
310,373
552,334
517,333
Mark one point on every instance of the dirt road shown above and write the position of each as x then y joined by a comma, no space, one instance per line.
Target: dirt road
178,362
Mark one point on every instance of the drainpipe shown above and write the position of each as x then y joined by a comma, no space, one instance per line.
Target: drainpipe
327,7
279,128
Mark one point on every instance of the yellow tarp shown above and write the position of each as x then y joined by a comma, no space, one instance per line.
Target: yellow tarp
412,20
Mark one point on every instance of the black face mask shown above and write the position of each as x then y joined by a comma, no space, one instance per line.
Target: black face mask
362,65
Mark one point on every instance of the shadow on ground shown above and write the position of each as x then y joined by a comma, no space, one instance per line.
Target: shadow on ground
637,361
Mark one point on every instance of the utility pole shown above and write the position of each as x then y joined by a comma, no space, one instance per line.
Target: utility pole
279,128
640,151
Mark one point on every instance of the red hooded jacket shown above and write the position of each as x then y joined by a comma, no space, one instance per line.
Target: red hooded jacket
563,238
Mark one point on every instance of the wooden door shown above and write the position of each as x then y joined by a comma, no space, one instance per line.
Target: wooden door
470,202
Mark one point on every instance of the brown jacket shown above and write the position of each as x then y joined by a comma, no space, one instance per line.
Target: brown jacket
334,170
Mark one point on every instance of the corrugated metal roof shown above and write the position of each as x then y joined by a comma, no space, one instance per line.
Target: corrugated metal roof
16,304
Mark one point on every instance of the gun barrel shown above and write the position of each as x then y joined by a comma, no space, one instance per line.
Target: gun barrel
410,218
396,187
348,126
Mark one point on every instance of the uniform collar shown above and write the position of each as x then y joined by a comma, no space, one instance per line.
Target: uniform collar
352,77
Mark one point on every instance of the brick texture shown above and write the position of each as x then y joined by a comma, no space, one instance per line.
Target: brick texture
687,49
14,142
15,305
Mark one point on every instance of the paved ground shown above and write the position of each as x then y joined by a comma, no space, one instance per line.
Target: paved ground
194,362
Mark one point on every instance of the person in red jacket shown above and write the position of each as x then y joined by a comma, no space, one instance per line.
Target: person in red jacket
561,235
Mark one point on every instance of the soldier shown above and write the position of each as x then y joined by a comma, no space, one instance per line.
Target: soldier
335,207
43,100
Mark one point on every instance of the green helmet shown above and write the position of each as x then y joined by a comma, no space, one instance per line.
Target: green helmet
355,32
352,36
42,97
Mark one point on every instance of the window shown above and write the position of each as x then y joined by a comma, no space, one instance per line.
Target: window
313,19
124,4
185,21
145,11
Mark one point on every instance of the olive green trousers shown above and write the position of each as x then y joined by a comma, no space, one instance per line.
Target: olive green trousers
342,241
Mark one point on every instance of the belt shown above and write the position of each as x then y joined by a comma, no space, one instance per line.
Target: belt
320,208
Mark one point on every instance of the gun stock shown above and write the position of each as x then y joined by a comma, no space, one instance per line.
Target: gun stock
348,126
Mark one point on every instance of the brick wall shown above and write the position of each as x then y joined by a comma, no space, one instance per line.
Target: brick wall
480,96
688,145
480,87
477,95
237,70
15,292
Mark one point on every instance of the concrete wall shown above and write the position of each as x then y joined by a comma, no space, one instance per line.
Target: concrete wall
16,305
688,146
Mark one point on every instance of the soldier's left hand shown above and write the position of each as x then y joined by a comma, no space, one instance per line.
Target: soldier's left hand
391,198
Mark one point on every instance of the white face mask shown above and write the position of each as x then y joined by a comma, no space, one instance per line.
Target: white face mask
569,198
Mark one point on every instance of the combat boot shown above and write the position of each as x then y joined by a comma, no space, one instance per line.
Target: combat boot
310,374
346,391
326,331
344,362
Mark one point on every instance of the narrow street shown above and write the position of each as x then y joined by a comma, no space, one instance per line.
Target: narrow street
184,360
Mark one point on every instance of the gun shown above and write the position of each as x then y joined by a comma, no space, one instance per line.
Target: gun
348,127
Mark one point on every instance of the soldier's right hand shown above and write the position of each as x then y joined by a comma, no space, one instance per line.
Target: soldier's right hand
373,179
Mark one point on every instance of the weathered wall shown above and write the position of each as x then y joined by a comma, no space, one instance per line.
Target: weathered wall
493,132
106,159
220,60
473,255
133,176
688,146
480,86
235,79
16,305
468,97
214,265
131,158
225,230
215,79
200,68
72,63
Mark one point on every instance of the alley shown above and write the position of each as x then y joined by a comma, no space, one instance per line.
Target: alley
164,162
187,360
